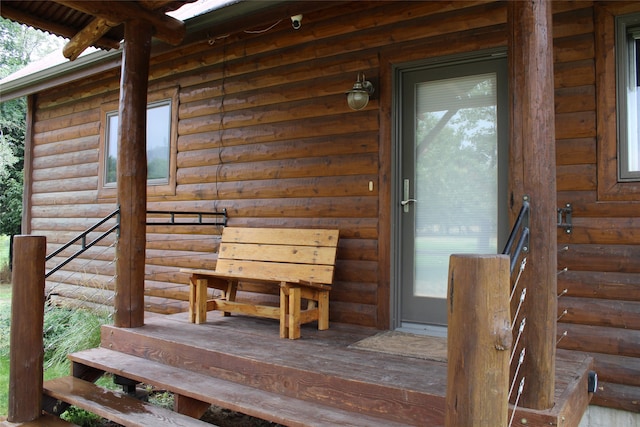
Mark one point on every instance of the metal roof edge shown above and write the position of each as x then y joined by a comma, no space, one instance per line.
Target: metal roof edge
100,61
33,82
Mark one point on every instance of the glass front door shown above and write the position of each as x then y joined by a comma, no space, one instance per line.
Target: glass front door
453,177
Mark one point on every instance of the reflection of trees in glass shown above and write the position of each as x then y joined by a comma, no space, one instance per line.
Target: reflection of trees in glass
158,149
158,161
456,155
111,169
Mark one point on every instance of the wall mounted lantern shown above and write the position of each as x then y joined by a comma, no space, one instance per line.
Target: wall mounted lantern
358,96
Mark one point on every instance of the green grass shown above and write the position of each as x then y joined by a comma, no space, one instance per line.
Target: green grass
65,331
5,274
5,315
4,250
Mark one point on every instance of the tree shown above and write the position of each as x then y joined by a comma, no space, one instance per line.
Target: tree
19,45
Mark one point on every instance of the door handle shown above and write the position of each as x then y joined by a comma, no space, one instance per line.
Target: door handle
405,203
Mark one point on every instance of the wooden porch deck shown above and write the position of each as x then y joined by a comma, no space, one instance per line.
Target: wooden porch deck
240,363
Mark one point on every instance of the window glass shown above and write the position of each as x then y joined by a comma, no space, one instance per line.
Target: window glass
456,143
158,143
158,146
112,148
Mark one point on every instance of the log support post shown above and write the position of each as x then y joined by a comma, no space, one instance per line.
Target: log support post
479,341
132,175
27,319
533,173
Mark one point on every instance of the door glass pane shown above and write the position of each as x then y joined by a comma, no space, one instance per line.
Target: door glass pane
456,150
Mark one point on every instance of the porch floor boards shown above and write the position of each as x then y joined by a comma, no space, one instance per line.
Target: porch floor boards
319,369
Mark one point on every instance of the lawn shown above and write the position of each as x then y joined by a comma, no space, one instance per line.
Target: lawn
5,313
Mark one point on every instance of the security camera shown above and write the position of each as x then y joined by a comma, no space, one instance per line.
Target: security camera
296,22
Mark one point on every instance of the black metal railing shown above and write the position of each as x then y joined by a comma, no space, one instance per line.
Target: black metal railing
519,233
82,237
220,220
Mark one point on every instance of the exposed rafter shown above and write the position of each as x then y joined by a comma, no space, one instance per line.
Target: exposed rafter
86,37
94,23
107,16
34,21
166,28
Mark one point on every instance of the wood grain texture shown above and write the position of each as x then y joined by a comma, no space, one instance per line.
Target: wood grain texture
478,353
265,133
132,176
115,406
27,316
533,174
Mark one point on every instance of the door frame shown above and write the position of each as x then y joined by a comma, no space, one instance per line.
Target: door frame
396,172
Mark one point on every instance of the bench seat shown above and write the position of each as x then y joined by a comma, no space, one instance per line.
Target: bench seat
299,263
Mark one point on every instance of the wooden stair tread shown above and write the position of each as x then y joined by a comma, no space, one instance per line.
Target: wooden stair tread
237,397
114,406
44,421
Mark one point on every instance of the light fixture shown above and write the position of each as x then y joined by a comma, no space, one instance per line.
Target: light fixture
358,96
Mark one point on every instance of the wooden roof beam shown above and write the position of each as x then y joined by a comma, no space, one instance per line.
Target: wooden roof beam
86,37
166,28
16,15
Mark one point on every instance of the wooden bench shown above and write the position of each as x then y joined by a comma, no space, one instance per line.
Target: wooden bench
300,262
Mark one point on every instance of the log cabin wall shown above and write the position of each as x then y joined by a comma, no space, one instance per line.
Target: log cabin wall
264,132
599,309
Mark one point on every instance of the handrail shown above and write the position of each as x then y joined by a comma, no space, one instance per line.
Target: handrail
200,215
83,236
521,225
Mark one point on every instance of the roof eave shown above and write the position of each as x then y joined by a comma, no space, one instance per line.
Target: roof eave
100,61
60,74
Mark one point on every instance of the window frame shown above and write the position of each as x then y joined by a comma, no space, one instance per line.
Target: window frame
154,187
609,186
623,68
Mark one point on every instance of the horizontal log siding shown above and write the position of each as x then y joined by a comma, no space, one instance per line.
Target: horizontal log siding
264,132
599,310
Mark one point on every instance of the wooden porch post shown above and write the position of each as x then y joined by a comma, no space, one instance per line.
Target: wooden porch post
27,318
478,352
533,173
132,175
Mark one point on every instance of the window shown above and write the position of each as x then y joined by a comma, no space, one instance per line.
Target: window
158,144
628,92
613,142
161,145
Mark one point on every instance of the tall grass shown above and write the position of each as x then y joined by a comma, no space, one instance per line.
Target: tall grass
5,273
65,331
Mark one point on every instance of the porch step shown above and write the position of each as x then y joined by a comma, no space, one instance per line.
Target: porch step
312,370
116,407
227,394
44,421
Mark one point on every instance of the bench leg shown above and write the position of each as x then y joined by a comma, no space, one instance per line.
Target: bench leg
192,300
290,298
323,310
284,311
230,294
201,301
294,313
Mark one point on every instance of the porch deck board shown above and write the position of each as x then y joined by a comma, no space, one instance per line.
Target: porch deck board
227,394
322,368
43,421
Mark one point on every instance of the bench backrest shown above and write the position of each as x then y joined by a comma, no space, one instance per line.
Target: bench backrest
282,254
